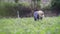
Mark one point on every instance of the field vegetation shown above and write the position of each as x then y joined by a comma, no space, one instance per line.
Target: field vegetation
49,25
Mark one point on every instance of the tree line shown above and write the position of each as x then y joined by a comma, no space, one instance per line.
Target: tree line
9,9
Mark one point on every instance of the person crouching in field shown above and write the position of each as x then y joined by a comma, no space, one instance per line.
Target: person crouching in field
38,14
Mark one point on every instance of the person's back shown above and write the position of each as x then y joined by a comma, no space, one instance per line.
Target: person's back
35,13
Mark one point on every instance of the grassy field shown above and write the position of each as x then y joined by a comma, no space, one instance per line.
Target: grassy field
49,25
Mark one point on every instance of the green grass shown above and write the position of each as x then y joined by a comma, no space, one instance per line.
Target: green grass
49,25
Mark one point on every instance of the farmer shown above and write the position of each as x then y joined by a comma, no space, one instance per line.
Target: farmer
38,14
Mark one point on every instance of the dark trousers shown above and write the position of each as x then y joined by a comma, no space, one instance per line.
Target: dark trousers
36,18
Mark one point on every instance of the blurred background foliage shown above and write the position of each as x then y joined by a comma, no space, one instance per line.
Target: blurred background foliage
9,9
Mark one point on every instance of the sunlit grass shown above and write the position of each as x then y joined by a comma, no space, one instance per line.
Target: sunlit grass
49,25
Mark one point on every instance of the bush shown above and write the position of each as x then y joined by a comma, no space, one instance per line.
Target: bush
6,9
9,9
55,4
